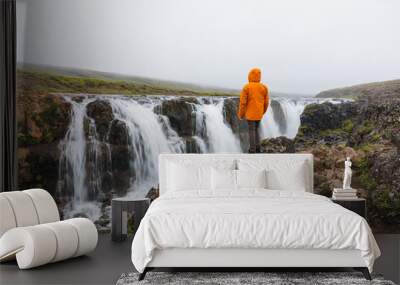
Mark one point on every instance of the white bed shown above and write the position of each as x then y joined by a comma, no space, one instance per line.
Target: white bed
249,227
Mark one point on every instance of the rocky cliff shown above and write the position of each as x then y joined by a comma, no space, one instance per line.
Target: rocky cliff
367,130
42,122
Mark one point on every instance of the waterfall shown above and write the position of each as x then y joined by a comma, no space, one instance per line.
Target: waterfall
219,134
202,147
73,151
86,159
120,155
149,135
72,164
200,136
288,111
293,110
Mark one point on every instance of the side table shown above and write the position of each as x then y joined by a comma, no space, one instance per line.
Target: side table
357,205
126,214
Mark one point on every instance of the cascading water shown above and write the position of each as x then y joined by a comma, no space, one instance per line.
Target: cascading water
149,135
210,123
287,112
74,151
72,166
90,160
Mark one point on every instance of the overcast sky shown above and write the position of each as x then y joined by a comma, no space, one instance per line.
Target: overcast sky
301,46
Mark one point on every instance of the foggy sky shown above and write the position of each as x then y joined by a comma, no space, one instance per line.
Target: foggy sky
301,46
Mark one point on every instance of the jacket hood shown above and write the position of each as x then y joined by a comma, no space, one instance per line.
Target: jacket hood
255,75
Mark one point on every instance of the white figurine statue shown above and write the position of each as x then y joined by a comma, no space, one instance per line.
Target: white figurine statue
347,174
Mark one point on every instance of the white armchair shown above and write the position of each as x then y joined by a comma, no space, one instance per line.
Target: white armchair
31,230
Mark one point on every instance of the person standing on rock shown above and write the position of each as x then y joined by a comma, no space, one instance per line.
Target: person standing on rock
253,104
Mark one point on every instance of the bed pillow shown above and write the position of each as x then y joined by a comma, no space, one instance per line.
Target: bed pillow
281,175
192,174
294,180
223,179
184,178
251,178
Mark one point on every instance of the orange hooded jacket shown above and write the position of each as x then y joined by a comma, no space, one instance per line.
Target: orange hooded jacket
254,98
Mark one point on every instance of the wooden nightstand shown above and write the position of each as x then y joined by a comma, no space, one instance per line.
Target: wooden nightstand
358,205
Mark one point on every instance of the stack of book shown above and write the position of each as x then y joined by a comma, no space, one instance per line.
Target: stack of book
344,194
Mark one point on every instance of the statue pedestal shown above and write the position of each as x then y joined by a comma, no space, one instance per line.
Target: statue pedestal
344,194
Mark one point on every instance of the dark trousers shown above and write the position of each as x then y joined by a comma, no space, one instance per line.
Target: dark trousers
254,138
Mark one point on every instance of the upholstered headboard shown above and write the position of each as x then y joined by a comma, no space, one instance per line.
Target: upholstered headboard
206,158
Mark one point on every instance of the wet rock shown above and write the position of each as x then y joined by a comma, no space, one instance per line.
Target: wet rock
98,169
106,182
319,117
121,183
191,145
121,170
78,98
239,127
279,116
120,157
118,133
278,145
230,113
101,112
179,112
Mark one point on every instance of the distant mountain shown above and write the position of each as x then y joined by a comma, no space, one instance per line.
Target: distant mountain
383,88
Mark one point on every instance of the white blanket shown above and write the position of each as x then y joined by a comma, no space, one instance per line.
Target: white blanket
253,218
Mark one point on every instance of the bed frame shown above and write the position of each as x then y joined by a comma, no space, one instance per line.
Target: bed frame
245,259
242,259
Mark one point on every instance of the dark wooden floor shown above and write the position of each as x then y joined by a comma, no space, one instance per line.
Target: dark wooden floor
103,266
389,262
110,260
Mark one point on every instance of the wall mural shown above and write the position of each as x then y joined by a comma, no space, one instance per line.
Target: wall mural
88,136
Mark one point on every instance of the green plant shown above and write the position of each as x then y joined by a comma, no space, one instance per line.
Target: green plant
348,126
366,180
366,128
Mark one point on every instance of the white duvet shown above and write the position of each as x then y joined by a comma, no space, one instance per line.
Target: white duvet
253,218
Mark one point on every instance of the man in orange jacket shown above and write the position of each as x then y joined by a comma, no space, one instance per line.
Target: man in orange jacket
253,104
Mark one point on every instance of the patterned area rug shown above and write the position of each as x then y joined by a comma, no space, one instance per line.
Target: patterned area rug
243,278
